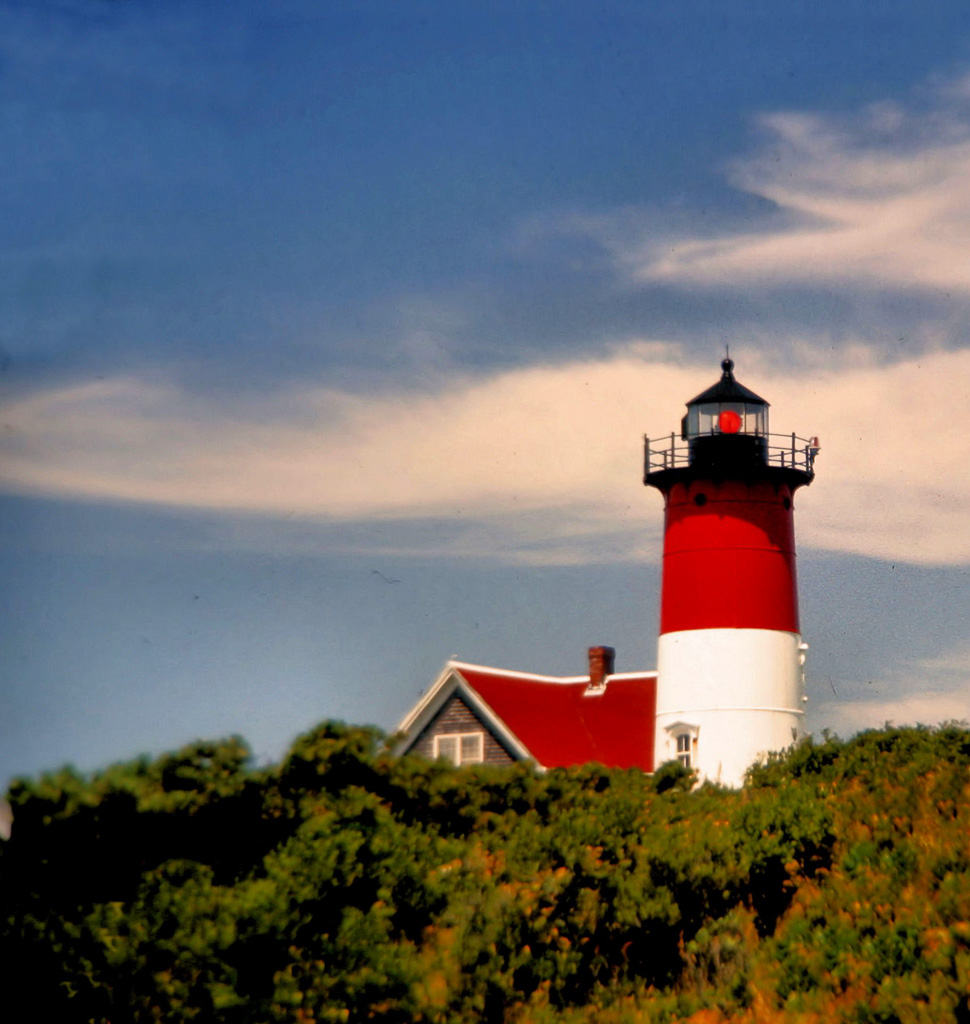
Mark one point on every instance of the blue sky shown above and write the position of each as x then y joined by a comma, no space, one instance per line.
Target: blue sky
298,299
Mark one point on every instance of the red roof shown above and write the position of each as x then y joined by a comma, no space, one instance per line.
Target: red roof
562,723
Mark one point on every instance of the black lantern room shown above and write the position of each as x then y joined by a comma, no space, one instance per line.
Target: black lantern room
726,430
727,421
726,407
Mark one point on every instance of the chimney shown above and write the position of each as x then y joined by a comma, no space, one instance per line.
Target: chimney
600,666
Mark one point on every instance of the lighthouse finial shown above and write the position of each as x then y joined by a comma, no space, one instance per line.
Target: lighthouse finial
727,364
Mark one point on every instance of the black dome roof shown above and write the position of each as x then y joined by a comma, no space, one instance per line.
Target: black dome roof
727,389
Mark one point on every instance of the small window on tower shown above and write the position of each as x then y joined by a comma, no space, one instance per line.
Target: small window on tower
683,748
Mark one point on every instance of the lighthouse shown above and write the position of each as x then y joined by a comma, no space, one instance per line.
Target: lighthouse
730,659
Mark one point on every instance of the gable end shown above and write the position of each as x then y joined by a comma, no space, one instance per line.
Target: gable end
456,717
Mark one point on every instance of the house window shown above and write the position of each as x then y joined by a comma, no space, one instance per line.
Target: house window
460,747
683,748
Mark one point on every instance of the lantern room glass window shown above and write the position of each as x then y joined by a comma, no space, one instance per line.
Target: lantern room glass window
727,418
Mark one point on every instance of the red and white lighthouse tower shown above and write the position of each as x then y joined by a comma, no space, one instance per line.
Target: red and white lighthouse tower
730,683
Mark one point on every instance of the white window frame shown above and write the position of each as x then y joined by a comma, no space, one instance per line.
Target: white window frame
459,757
683,734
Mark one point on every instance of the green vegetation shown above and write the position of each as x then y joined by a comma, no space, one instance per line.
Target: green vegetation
346,885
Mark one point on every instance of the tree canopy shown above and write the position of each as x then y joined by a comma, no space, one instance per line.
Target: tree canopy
348,885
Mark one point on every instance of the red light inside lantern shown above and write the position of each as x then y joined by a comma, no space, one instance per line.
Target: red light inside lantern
729,422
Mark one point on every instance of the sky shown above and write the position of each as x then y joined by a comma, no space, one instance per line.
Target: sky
329,335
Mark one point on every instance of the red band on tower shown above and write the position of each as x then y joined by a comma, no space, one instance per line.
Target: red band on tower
729,557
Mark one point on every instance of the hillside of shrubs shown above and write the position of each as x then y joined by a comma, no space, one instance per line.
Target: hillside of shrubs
347,885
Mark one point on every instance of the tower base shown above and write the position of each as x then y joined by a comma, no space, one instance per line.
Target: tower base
728,697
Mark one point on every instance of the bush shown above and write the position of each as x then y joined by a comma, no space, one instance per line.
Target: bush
349,885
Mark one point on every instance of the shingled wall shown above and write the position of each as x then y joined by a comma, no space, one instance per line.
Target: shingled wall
457,716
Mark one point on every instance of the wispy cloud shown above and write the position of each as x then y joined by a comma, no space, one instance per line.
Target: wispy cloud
876,199
925,691
548,455
527,439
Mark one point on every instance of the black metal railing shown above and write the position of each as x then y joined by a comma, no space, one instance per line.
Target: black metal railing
786,451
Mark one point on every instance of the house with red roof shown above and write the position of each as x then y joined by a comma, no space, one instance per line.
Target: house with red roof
730,654
478,714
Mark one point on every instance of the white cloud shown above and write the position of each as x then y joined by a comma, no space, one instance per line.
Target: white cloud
924,708
875,200
547,457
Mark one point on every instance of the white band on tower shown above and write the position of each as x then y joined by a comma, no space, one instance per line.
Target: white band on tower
729,696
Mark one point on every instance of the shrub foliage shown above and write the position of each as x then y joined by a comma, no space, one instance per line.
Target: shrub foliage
348,885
